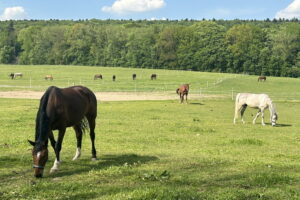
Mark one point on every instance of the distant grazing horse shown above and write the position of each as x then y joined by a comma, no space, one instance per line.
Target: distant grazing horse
114,77
97,76
49,77
182,91
59,109
262,78
153,76
258,101
133,76
15,75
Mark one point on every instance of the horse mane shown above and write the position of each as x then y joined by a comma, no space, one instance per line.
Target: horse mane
272,108
42,121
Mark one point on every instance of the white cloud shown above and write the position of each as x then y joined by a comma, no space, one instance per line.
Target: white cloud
293,10
130,6
155,19
13,13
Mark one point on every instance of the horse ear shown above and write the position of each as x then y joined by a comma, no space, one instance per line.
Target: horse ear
32,143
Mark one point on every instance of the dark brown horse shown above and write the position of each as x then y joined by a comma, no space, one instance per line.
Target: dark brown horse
182,91
153,76
61,108
262,78
97,76
114,77
133,76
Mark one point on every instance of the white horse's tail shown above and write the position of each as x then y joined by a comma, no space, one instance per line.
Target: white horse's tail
236,114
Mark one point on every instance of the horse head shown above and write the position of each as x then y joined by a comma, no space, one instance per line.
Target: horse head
274,118
40,157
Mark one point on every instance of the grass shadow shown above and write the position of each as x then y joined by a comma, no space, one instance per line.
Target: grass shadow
106,161
201,104
283,125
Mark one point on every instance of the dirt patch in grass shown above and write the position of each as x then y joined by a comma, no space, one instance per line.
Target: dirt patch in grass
110,96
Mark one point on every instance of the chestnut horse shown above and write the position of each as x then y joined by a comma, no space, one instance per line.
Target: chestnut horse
49,77
182,91
262,78
61,108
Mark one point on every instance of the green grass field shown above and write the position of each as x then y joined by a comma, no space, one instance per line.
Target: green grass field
159,149
167,81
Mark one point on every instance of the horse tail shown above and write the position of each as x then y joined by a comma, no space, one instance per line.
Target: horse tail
177,90
84,125
236,107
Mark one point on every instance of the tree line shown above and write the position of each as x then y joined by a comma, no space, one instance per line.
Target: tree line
269,47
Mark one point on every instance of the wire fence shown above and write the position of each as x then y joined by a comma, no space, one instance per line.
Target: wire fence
200,89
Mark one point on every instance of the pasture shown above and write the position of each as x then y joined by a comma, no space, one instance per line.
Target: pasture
158,149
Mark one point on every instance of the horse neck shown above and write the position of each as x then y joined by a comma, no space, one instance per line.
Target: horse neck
42,121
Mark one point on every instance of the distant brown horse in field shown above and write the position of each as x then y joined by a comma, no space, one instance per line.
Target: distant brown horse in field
61,108
262,78
153,76
133,76
182,91
49,77
97,76
114,77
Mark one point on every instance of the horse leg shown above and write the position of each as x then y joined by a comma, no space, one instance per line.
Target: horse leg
52,140
181,98
78,131
92,124
60,138
258,113
186,98
262,117
242,112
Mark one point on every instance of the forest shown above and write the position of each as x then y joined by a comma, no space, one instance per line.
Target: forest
260,47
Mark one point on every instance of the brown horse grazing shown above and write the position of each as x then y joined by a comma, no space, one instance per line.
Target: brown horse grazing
49,77
182,91
59,109
97,76
262,78
133,76
114,77
153,76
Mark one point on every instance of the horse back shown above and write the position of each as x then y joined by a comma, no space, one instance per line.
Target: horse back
68,106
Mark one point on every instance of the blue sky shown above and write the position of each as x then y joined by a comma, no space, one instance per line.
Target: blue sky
148,9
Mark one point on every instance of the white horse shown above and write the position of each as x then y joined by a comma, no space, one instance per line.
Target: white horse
258,101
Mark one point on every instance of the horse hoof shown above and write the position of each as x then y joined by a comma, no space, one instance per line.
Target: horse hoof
94,159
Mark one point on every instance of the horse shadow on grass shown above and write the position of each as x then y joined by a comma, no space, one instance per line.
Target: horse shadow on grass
280,125
104,162
197,103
